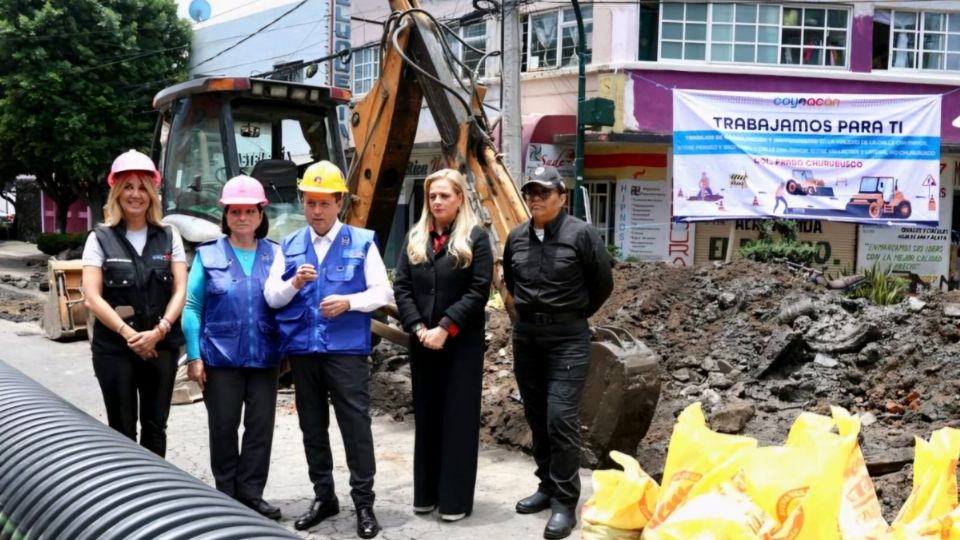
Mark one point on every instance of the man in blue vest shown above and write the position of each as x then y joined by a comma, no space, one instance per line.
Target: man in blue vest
325,281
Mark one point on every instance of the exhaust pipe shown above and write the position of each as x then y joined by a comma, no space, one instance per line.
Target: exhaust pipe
64,475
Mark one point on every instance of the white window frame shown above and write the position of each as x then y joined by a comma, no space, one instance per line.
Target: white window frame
479,41
915,56
595,198
365,69
566,22
711,33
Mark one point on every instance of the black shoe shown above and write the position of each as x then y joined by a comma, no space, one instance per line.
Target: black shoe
537,502
320,510
560,524
367,526
262,507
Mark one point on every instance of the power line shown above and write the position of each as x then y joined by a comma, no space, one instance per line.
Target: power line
262,28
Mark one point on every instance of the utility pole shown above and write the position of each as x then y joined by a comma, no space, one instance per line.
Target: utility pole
510,137
579,208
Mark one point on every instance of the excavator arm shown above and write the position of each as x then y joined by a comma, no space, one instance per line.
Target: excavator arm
418,67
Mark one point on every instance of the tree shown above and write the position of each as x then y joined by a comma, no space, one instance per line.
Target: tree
77,79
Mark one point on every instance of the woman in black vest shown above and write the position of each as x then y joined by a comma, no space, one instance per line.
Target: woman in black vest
441,288
134,282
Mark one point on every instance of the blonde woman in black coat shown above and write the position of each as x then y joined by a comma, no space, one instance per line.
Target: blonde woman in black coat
442,285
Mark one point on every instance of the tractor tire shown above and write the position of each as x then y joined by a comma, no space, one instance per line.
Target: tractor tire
904,210
793,188
875,210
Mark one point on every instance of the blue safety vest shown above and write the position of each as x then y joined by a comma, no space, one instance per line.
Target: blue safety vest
238,328
304,329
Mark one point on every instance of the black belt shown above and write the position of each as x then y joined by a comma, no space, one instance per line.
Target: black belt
549,318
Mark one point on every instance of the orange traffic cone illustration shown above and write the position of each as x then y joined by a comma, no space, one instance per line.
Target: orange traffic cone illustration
756,202
680,192
720,206
933,204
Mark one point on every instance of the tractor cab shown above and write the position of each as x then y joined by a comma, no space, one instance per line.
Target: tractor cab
802,175
212,129
886,186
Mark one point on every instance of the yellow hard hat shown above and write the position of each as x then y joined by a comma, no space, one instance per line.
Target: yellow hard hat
322,177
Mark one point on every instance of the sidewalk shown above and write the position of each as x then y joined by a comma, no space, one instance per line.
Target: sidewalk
504,476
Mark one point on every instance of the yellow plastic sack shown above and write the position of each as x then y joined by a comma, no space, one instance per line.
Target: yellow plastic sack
698,461
622,500
723,513
596,531
931,509
802,484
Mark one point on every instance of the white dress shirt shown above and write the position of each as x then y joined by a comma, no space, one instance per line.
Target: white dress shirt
278,292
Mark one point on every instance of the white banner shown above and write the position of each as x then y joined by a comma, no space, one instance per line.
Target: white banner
839,157
921,251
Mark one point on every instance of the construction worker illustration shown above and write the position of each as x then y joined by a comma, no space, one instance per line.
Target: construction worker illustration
781,195
705,192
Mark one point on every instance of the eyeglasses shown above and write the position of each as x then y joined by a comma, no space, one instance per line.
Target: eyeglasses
533,194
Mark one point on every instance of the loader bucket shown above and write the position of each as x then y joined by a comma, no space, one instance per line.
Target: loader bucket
620,397
64,315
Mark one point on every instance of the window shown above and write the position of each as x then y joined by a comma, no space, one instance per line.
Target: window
475,35
917,40
600,201
366,68
747,33
550,38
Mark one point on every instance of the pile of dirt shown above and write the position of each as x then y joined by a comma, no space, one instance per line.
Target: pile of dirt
757,345
19,292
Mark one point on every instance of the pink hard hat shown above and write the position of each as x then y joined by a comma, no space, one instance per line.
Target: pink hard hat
132,160
243,190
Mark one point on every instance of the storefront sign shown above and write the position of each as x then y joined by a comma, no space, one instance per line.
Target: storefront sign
916,250
549,155
340,39
844,157
643,219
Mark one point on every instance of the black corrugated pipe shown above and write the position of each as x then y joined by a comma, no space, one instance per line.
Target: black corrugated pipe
64,475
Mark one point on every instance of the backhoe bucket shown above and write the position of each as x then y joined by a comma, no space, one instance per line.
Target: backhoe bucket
64,315
621,394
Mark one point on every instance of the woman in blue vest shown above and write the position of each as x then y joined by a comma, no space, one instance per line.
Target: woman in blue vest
441,287
232,344
134,283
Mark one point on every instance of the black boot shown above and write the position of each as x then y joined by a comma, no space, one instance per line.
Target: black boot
561,522
537,502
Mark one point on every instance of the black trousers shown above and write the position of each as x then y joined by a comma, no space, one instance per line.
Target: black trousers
132,387
241,472
446,399
343,380
551,363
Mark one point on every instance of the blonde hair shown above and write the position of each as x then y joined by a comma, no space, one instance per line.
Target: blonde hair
113,212
458,245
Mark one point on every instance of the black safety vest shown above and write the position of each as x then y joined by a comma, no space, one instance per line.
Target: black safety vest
143,282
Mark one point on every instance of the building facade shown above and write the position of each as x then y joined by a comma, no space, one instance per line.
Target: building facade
640,52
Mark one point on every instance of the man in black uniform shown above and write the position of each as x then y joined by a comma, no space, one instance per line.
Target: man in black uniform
558,271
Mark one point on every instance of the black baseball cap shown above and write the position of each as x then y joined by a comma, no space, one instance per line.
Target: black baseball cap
545,176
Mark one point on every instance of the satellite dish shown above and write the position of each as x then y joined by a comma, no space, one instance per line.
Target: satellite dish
199,10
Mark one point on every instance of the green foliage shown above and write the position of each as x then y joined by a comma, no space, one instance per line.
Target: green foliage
778,239
77,78
881,287
614,251
632,259
54,243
